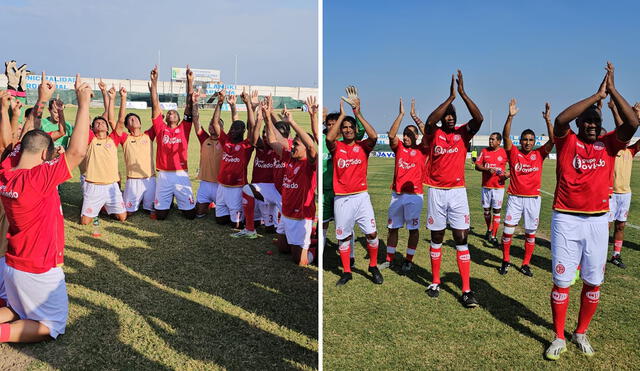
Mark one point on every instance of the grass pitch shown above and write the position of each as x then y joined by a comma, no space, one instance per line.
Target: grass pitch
397,326
176,294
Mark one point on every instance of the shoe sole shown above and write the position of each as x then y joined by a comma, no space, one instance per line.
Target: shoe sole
555,358
433,294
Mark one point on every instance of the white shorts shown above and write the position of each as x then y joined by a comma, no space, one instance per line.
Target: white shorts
298,232
39,297
229,203
517,206
492,197
95,196
447,206
279,224
207,192
619,205
3,292
272,202
82,178
139,190
173,183
350,210
578,240
405,209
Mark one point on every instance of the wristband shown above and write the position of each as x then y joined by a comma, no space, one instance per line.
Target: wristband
16,93
188,117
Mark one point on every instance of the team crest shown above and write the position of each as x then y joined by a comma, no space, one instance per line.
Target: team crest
599,146
413,152
237,147
356,149
499,158
296,170
430,221
559,268
456,137
129,204
177,131
467,219
339,231
533,157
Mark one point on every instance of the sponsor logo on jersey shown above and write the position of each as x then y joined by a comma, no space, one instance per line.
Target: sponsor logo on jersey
228,158
4,192
345,163
259,163
438,150
169,140
525,168
588,164
402,164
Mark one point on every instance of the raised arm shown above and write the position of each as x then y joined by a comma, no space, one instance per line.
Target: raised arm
122,113
415,117
393,139
253,129
216,113
438,113
105,97
476,117
629,118
16,108
372,135
614,111
547,119
195,110
188,107
506,131
79,142
59,107
334,130
45,92
5,122
312,151
232,99
312,109
273,135
153,89
111,118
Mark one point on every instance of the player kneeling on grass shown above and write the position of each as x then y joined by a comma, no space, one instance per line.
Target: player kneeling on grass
352,204
34,280
406,189
447,198
101,186
210,157
298,186
492,163
581,203
525,164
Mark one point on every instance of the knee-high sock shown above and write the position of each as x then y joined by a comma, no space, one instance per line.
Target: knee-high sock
496,225
559,305
436,258
529,245
5,332
507,236
487,219
617,247
464,265
248,205
344,248
411,251
391,252
372,247
589,299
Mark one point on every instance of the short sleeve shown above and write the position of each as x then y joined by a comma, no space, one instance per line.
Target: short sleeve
123,137
91,136
223,138
158,124
366,145
612,142
151,133
202,135
543,151
47,176
117,139
480,158
560,141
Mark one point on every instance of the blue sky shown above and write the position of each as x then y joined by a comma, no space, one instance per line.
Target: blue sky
534,51
275,41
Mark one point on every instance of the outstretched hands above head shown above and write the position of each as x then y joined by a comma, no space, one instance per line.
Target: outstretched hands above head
352,98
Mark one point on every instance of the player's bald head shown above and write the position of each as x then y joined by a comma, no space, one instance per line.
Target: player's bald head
36,141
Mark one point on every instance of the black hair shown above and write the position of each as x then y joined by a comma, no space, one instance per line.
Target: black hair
27,112
526,132
498,135
99,118
332,116
239,122
36,140
283,127
126,118
350,119
51,102
591,114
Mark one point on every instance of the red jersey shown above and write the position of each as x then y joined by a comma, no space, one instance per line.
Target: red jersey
526,171
583,173
235,159
32,205
409,169
448,153
172,144
298,188
263,165
350,167
493,159
279,168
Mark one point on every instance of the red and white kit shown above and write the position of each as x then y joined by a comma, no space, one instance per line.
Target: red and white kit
263,180
171,163
447,198
232,176
493,184
298,199
407,189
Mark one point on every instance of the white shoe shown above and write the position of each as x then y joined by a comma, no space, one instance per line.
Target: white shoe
557,347
583,344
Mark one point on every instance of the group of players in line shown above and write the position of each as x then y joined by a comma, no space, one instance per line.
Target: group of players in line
33,296
592,189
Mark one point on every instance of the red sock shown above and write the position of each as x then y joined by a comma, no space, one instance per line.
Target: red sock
5,332
506,246
559,305
391,252
345,257
589,300
464,264
436,259
248,205
411,251
496,225
487,219
529,245
617,247
372,247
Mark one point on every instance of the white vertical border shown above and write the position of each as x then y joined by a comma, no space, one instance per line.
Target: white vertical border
319,176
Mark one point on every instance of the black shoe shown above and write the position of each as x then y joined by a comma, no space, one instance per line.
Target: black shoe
406,266
617,261
469,300
526,270
377,276
346,277
433,290
487,236
494,241
504,269
352,262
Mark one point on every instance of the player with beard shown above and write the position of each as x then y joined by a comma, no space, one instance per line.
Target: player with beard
525,164
492,163
352,204
581,203
406,190
447,198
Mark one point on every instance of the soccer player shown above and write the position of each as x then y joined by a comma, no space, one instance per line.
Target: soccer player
581,203
138,156
6,140
34,279
172,141
232,176
525,164
447,198
101,186
492,162
352,204
210,157
56,122
406,190
620,201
